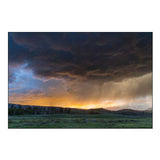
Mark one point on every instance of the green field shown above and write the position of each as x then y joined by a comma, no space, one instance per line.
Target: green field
79,121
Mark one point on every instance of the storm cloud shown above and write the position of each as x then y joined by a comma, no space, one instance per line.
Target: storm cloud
87,56
81,67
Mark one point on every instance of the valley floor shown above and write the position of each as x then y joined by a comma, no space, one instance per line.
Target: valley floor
80,121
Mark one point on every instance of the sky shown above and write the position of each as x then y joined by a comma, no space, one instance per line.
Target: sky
111,70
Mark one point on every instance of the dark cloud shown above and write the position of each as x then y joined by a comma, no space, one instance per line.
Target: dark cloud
86,56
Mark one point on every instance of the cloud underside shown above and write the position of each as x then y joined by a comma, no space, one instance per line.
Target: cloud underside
86,94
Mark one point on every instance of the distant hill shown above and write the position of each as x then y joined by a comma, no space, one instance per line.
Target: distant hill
16,109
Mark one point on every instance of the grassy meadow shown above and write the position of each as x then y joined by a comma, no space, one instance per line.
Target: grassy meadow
108,120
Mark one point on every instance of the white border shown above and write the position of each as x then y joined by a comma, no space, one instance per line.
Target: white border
84,15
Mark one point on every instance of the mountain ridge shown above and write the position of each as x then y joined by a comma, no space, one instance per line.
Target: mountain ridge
30,109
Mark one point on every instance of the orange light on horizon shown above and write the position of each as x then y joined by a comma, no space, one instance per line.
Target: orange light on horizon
65,102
